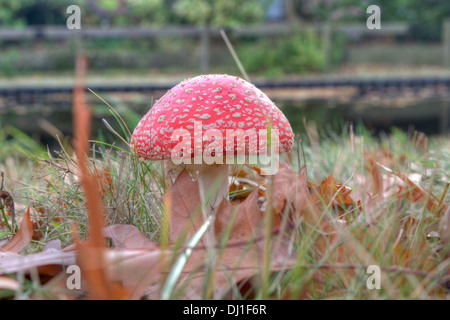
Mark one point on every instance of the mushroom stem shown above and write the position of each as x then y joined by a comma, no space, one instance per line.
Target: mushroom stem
213,184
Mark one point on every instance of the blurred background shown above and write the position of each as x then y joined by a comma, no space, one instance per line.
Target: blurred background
316,59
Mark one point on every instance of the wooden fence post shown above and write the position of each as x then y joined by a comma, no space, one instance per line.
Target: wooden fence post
326,43
443,122
205,49
446,42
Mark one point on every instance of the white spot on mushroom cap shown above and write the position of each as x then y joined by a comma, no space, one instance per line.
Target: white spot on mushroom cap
202,116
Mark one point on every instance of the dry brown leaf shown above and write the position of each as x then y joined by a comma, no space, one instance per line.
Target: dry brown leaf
247,218
292,195
127,236
182,205
335,194
94,267
22,238
416,193
242,255
377,179
247,228
290,189
136,269
399,185
237,257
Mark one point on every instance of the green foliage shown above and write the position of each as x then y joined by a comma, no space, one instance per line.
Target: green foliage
220,12
133,12
18,145
332,10
7,14
33,12
298,53
8,63
425,17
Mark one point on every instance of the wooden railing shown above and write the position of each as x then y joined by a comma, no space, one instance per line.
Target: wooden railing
203,34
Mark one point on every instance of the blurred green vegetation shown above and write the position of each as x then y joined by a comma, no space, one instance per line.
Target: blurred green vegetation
220,12
298,53
425,17
223,13
19,145
301,52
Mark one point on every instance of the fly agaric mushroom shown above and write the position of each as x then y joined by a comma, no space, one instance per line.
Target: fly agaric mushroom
204,110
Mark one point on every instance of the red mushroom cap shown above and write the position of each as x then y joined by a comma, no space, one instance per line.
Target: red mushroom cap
220,102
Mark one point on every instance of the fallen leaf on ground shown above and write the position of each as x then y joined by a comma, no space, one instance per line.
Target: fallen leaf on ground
127,236
22,238
416,193
335,194
182,207
239,251
290,189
